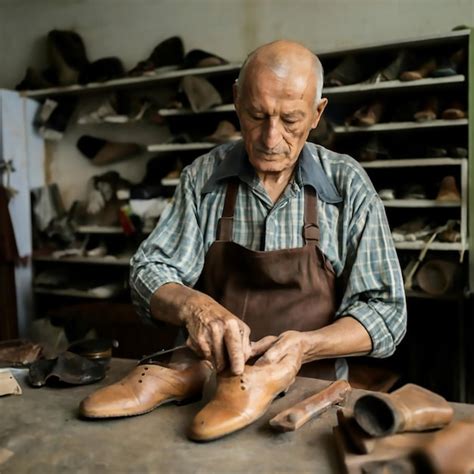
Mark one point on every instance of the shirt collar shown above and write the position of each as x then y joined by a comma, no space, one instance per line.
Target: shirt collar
308,172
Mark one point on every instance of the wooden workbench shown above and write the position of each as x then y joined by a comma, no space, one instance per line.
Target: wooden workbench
40,432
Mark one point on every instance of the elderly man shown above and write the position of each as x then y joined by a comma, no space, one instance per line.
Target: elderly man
259,236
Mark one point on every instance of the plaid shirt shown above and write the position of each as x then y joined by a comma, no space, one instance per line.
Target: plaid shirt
355,236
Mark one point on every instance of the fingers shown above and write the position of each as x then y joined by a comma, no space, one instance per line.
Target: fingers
233,342
218,350
261,346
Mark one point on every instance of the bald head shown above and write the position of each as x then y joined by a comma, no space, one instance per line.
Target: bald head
285,59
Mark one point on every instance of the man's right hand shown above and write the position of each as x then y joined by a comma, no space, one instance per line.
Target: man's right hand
215,333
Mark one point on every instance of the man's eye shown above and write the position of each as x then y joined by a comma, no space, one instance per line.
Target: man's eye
257,117
290,121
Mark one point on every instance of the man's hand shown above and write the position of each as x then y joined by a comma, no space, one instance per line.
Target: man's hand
216,333
288,348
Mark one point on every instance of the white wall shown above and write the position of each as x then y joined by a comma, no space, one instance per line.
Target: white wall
231,28
131,28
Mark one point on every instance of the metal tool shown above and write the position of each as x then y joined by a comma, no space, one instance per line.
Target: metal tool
149,358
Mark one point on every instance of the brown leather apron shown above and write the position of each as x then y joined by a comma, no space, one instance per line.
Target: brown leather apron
273,291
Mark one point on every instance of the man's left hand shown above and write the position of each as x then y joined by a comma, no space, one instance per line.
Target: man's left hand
289,348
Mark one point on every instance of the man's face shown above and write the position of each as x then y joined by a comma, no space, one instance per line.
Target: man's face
276,114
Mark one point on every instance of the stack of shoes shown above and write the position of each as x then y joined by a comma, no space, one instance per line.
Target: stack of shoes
167,54
348,71
392,71
403,432
454,110
102,70
428,110
225,132
426,67
414,230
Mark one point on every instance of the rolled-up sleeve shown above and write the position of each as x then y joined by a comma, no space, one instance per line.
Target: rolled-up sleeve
174,251
374,293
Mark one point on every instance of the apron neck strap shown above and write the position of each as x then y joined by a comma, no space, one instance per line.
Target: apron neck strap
311,227
225,226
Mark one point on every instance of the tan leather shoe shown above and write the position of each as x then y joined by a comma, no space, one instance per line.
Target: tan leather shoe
147,387
410,408
240,400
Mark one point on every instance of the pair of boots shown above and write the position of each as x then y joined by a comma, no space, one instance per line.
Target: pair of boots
238,401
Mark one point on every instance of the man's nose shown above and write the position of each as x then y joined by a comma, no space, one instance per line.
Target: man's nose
271,134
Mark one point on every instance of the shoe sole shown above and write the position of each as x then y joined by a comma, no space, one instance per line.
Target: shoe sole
176,401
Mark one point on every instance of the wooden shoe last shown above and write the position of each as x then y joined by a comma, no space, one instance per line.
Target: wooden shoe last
147,387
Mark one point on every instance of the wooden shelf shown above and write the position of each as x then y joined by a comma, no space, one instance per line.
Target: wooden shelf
132,81
98,229
432,40
412,162
164,147
393,126
415,203
444,246
217,109
392,85
120,261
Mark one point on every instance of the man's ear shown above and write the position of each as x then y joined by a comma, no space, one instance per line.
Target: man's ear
319,112
235,93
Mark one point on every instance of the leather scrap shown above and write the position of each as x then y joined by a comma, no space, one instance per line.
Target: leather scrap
8,384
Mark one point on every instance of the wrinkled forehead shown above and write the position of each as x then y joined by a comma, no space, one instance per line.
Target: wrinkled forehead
293,82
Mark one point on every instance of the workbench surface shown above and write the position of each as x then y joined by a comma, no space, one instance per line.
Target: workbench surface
40,432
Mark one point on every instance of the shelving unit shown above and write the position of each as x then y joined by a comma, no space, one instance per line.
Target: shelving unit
399,126
120,261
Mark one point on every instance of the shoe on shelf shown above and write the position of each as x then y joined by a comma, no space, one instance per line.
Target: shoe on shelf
387,194
225,132
201,94
428,110
438,277
102,152
367,115
240,400
199,58
455,110
392,71
450,65
452,233
448,190
67,55
147,387
348,71
425,69
413,230
102,70
373,150
167,54
413,191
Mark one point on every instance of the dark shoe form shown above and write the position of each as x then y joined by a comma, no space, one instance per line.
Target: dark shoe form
373,150
392,71
348,71
68,368
67,55
410,408
102,70
199,58
169,52
438,277
455,110
450,66
425,70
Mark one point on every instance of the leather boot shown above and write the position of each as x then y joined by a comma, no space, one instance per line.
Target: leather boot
147,387
240,400
410,408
